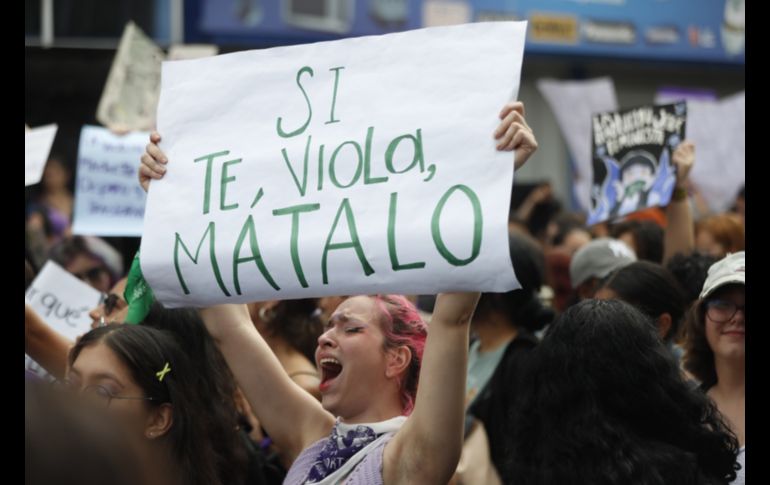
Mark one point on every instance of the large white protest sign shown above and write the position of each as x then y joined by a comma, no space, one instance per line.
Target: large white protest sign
108,198
63,302
356,166
37,147
130,95
573,103
718,129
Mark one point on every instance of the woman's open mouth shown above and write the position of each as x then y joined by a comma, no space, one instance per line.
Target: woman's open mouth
331,368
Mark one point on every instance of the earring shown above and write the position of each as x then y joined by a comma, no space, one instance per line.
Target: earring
264,315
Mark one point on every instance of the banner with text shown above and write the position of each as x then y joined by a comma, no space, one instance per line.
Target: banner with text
358,166
63,302
108,198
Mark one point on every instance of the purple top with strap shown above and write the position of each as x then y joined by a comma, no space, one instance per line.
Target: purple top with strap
367,472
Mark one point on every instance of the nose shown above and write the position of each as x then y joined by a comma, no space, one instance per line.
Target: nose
740,315
95,314
326,340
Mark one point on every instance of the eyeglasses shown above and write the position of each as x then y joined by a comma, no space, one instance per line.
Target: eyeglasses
721,311
100,393
105,396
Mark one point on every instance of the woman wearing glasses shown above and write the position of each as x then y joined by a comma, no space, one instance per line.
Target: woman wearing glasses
716,342
147,380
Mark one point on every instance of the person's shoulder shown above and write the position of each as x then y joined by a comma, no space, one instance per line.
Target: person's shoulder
516,353
524,342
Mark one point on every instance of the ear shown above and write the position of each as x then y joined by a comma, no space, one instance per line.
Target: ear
397,361
271,304
664,325
159,421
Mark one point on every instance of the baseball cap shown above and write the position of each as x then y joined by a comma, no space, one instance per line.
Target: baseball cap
730,269
599,258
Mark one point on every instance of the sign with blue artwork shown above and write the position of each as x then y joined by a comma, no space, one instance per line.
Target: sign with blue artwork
632,152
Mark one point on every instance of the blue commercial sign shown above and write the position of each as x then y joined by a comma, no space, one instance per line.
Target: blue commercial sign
688,30
298,21
676,30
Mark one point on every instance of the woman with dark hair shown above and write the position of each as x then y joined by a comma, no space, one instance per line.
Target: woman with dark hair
146,379
505,326
291,329
715,340
653,290
214,380
601,401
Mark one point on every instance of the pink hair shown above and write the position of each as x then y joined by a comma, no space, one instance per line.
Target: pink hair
403,326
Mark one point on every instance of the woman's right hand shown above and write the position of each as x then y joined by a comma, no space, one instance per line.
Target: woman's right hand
153,162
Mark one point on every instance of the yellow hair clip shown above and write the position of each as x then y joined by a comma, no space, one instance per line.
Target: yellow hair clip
162,373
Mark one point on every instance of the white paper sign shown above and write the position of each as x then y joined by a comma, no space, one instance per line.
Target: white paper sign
130,95
63,302
720,161
37,147
108,198
573,103
180,52
357,166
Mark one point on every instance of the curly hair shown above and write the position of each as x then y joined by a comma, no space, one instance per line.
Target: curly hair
603,402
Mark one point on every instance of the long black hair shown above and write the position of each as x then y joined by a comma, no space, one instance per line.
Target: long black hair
146,351
215,385
603,402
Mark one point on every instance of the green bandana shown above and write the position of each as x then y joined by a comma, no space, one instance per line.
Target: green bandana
138,294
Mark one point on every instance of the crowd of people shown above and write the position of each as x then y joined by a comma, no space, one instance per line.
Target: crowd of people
621,360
